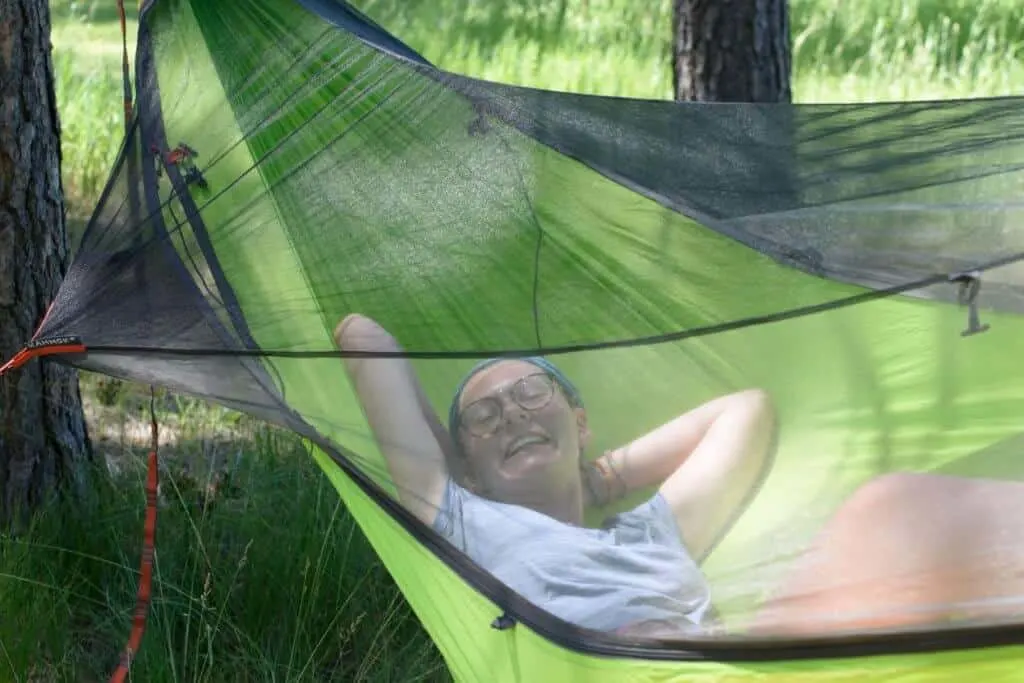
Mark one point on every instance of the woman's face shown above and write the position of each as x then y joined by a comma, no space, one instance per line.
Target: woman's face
519,432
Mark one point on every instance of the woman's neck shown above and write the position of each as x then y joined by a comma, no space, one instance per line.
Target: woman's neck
562,501
565,505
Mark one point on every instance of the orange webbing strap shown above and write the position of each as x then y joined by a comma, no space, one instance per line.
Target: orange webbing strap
55,348
148,545
19,359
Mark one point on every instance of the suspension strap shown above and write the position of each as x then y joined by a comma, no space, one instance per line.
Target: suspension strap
50,346
145,591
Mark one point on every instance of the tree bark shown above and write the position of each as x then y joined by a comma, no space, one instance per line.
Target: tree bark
43,440
731,50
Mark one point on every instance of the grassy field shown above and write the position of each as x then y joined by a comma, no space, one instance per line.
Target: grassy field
267,578
842,51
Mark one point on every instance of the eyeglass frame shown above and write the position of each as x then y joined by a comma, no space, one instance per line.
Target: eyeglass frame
552,383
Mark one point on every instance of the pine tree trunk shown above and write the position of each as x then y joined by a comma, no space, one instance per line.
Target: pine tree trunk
731,50
43,440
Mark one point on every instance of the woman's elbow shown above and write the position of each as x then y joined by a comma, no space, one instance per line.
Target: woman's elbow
757,402
356,332
761,415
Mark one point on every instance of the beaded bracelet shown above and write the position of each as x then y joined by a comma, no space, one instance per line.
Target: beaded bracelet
608,472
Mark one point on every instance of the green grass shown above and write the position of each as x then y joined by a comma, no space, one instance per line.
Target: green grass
265,579
878,50
92,126
272,581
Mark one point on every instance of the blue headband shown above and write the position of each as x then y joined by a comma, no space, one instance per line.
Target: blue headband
571,392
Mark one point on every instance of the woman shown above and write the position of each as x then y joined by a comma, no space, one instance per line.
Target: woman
507,484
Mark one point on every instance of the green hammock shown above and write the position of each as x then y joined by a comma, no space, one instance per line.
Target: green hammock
289,163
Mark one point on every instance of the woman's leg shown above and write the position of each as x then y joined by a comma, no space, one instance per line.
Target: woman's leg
906,551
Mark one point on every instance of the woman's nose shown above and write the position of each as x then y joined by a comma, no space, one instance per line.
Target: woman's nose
515,412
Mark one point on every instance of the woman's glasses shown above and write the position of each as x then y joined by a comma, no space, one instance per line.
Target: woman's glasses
482,417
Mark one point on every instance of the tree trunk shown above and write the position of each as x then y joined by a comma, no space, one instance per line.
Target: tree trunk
43,441
731,50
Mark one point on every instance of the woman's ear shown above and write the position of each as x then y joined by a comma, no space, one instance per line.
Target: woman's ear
581,422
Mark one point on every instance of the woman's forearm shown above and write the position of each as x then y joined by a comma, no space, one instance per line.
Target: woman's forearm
651,459
385,384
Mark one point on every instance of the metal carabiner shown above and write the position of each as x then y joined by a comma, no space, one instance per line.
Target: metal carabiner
970,286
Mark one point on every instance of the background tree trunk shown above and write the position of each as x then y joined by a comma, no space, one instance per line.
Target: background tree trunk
43,441
731,50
